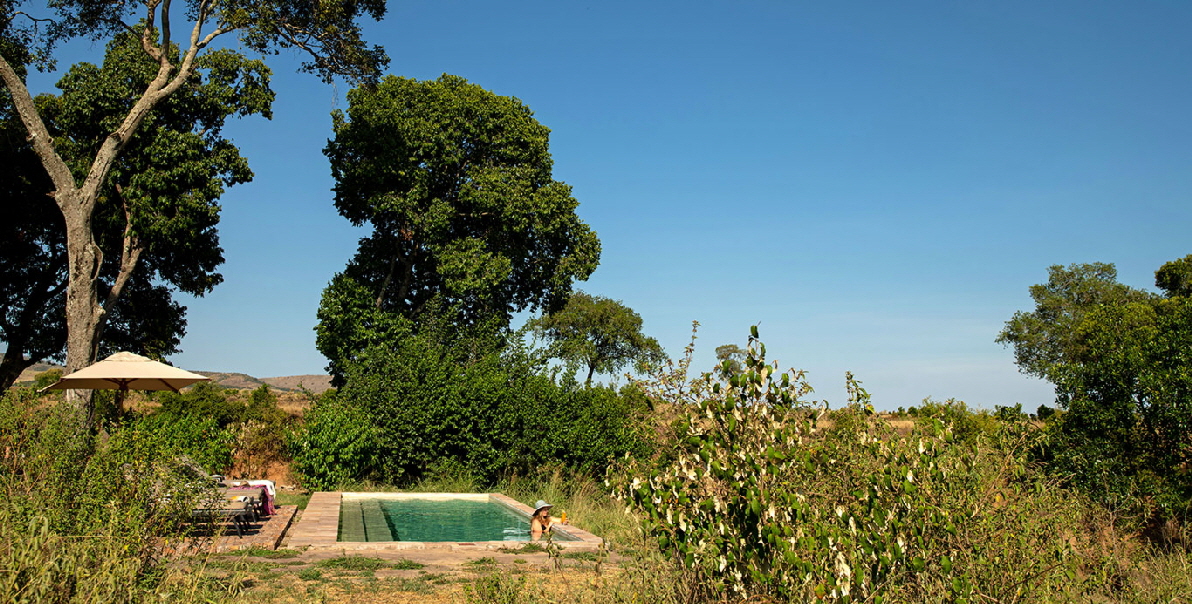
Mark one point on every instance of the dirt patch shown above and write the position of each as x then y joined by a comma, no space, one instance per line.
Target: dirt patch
278,471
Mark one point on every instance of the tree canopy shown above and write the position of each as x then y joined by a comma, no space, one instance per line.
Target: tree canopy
1175,278
599,333
456,183
1044,337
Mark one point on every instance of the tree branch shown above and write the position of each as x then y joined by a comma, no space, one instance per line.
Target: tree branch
165,26
39,135
388,279
130,253
147,43
162,86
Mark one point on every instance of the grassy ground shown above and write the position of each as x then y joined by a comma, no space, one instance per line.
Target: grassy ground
289,576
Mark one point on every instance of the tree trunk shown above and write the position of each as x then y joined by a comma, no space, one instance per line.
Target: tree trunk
83,312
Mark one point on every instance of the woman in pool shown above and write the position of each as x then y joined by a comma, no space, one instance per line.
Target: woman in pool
541,522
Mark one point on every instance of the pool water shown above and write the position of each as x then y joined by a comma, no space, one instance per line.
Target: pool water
431,520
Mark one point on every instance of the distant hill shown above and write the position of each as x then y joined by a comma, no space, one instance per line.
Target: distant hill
317,384
30,373
232,380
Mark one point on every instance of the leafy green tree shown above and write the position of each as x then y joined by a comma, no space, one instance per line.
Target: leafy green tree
1044,338
456,183
1120,362
598,333
205,399
1128,397
32,257
157,217
350,322
324,29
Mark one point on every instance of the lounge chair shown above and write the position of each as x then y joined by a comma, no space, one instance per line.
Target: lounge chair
239,512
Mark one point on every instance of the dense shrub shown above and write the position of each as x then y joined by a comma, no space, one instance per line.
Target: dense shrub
966,424
755,501
335,445
205,399
425,400
84,518
192,435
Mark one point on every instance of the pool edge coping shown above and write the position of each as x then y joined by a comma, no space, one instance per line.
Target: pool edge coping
318,527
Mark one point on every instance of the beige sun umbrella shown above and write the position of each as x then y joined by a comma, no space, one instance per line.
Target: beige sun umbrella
126,371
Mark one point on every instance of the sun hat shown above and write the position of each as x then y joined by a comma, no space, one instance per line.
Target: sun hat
541,504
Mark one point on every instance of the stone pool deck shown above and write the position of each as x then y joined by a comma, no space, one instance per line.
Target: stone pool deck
318,528
264,533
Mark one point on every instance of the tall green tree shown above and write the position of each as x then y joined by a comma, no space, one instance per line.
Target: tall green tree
326,30
599,333
1128,397
1121,363
158,214
456,183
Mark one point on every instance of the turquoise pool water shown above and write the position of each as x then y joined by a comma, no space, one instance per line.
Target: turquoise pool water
451,520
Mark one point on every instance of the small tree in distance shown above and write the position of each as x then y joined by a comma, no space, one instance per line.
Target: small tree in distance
599,333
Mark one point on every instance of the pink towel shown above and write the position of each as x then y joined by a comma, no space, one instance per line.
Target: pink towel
262,493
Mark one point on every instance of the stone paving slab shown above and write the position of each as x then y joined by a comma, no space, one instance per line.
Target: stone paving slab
266,533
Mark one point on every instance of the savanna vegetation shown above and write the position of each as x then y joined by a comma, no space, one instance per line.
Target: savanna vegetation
738,487
724,486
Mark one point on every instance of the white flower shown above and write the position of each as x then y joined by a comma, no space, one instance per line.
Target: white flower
843,572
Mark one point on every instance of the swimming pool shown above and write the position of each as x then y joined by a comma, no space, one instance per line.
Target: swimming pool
371,521
432,520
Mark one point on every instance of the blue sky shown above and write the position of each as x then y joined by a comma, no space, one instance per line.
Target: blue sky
875,184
